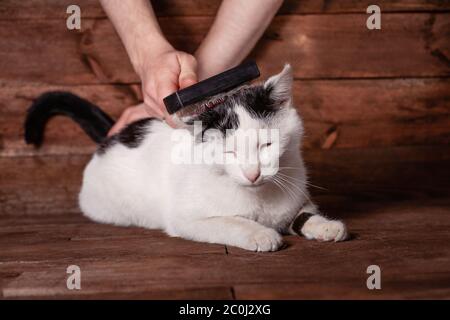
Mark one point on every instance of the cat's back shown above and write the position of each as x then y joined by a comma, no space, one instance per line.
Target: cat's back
122,171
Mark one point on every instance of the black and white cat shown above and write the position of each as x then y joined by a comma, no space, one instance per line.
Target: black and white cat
133,180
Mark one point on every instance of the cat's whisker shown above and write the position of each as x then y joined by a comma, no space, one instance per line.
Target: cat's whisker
295,179
284,187
296,186
316,186
305,182
288,176
287,191
291,192
280,187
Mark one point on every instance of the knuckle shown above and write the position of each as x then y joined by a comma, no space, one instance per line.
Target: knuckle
127,112
148,86
191,59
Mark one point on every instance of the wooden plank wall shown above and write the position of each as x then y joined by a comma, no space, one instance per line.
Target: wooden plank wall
356,89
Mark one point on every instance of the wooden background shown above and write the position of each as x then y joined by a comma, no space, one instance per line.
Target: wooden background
376,103
370,93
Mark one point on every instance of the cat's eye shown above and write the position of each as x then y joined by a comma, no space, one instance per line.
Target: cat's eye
231,152
265,145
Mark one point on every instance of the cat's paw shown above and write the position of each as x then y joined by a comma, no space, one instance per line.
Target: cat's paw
263,240
322,229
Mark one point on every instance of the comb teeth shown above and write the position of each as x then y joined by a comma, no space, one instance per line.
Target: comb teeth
212,103
214,85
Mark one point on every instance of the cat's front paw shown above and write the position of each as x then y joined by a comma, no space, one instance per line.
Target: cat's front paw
263,240
323,229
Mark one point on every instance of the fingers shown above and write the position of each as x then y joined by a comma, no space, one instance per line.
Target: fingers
166,84
173,71
188,70
153,108
130,115
137,113
165,89
120,123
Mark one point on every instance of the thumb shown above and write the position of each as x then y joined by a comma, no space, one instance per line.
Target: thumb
165,87
188,71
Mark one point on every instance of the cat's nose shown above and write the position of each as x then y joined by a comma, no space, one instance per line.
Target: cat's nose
253,174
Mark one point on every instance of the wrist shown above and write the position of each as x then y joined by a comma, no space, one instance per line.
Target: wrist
208,66
150,48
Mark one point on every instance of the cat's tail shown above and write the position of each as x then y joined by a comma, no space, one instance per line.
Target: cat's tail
90,117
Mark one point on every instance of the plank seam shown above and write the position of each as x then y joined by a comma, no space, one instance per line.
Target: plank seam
313,13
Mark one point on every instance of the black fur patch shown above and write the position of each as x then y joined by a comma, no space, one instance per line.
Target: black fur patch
300,221
106,144
131,136
90,117
222,118
256,100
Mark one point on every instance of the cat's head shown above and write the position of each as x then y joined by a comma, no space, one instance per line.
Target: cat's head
254,128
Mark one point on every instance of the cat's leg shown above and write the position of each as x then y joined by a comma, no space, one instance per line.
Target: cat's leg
311,224
232,230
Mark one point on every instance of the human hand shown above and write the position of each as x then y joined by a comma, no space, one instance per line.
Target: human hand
161,74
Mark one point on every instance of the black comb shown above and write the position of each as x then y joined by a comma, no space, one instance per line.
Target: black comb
219,83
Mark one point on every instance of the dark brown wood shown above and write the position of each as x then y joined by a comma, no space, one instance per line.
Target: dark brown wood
56,9
147,273
86,240
153,293
376,109
362,113
33,185
318,46
50,184
340,46
385,234
62,135
336,114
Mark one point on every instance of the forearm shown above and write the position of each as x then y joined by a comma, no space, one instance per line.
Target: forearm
238,26
138,28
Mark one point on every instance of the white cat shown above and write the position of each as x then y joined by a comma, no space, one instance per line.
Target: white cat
133,180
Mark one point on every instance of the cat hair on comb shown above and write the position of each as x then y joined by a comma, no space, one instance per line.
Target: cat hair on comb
213,86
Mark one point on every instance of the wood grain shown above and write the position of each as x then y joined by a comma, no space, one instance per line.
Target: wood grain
121,276
31,185
56,9
412,267
334,46
50,184
360,113
154,293
376,110
62,134
90,241
363,113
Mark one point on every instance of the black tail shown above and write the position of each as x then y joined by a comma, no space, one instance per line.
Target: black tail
91,118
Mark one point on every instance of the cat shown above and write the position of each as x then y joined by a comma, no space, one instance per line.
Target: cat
132,179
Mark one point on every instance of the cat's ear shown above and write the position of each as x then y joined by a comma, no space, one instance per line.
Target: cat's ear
279,86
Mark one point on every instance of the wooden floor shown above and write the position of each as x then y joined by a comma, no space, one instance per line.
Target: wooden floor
400,224
375,105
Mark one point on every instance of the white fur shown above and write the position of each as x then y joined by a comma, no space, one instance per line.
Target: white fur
209,203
